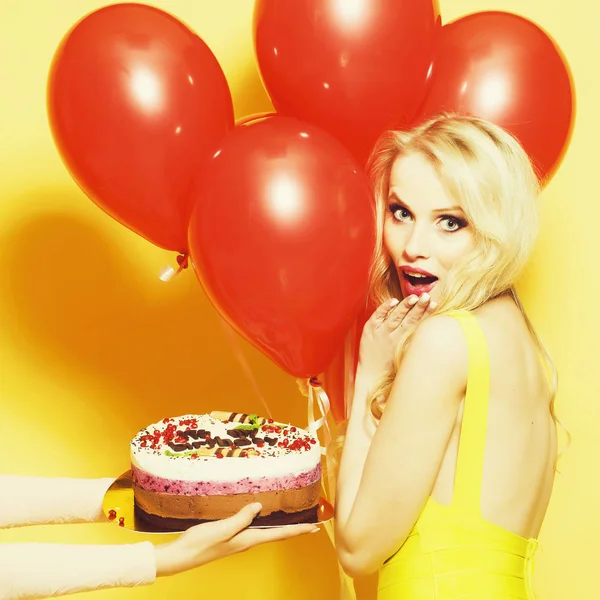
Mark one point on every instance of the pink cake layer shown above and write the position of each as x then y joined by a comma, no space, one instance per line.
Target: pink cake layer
221,488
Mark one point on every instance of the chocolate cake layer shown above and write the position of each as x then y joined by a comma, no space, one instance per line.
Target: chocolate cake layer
218,507
274,519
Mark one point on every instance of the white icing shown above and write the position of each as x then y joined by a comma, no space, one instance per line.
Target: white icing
281,461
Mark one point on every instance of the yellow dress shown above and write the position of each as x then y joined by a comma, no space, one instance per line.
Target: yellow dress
452,553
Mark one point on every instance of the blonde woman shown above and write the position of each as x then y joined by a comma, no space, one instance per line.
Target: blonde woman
450,449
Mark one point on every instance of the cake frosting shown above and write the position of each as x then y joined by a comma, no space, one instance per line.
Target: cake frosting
194,468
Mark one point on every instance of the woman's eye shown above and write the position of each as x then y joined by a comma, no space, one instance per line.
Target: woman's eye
399,213
452,223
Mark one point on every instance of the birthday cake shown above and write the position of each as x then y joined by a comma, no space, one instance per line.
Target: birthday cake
196,468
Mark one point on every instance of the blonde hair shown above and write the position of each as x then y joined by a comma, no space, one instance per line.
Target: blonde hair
490,176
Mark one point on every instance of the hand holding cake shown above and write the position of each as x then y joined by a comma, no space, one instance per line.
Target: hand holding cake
210,541
231,470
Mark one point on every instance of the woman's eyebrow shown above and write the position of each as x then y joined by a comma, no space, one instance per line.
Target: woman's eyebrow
437,211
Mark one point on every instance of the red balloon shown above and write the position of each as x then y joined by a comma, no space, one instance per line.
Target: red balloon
136,103
281,239
506,69
352,68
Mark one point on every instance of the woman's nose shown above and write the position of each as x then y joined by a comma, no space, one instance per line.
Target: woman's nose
417,244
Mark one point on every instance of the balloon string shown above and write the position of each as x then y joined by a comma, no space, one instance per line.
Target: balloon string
237,351
316,395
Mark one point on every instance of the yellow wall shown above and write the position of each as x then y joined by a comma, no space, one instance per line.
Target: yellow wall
90,339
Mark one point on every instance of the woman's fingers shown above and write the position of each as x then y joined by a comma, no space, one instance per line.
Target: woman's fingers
418,311
242,519
414,309
255,537
395,313
399,315
380,314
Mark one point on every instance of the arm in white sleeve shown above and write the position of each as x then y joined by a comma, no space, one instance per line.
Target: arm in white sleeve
41,500
29,571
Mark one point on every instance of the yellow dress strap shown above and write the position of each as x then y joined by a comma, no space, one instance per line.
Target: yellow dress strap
471,447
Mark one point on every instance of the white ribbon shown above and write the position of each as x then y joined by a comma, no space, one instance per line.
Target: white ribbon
168,272
317,395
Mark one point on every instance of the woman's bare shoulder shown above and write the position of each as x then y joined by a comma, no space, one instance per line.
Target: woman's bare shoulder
502,317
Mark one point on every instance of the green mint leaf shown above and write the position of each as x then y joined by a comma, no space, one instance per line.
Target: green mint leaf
169,452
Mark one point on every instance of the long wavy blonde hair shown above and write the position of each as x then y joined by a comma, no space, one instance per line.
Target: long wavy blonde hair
490,176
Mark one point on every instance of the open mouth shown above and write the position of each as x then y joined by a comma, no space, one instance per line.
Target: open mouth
418,283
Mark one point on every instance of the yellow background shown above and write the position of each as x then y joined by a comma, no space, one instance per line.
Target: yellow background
93,346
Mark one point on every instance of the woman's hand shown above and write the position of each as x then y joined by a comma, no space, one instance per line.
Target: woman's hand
382,333
206,542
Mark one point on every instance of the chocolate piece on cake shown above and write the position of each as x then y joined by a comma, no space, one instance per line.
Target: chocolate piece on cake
236,433
222,442
243,442
237,417
179,447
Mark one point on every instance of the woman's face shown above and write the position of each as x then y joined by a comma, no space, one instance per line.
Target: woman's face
425,232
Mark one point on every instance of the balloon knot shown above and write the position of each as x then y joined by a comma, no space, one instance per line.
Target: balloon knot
183,261
315,382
